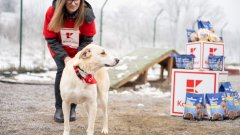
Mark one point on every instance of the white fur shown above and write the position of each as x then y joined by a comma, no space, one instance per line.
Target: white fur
73,90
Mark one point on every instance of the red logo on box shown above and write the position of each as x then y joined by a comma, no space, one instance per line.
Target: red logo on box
192,51
212,51
191,85
180,103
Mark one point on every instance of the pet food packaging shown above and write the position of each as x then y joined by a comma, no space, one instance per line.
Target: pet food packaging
184,61
237,103
193,107
192,35
231,108
189,32
225,86
204,25
214,109
215,63
203,34
213,37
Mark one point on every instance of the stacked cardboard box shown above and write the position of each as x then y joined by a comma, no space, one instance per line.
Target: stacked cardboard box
198,80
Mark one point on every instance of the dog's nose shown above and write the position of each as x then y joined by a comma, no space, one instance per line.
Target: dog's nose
117,60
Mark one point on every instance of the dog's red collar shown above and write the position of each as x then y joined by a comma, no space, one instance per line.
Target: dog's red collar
89,78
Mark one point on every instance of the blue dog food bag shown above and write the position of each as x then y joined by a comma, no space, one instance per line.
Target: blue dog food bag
215,63
192,35
230,104
193,108
189,32
184,61
225,86
214,107
204,25
232,100
237,103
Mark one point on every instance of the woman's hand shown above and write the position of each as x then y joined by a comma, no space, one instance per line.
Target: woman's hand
66,59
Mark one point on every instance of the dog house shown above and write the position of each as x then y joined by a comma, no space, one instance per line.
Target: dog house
137,64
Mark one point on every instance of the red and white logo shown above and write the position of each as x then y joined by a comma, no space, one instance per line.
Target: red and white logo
191,85
193,82
212,51
192,51
68,35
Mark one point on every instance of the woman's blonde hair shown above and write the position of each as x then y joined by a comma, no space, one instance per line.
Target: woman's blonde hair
57,22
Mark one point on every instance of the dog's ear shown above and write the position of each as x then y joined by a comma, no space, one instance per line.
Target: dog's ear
86,53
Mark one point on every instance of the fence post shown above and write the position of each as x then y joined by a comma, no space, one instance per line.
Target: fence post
221,34
101,20
20,51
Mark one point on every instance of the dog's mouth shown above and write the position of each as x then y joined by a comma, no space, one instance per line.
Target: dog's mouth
106,65
116,62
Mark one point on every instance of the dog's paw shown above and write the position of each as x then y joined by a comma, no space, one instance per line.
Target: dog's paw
65,133
90,132
105,131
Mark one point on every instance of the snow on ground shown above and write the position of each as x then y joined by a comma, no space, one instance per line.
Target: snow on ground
42,78
122,67
49,77
233,67
143,90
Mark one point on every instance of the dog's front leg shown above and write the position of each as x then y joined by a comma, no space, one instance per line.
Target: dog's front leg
92,110
66,113
103,94
103,84
104,101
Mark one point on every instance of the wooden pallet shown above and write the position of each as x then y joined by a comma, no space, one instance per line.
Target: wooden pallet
138,62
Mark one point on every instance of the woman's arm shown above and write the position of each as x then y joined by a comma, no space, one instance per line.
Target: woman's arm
84,41
56,48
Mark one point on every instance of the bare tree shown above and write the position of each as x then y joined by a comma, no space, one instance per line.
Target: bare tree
182,14
8,6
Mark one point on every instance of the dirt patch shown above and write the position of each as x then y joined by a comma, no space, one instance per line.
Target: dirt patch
28,110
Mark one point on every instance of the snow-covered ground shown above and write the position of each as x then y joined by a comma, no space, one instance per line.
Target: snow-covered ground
48,77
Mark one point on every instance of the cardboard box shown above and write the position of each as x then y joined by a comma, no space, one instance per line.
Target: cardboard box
201,51
194,81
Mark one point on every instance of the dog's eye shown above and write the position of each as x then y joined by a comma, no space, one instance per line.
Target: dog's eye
103,53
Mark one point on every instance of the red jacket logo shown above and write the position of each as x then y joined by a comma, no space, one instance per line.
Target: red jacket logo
192,51
68,35
191,85
212,51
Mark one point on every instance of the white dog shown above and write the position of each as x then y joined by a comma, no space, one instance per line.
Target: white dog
78,85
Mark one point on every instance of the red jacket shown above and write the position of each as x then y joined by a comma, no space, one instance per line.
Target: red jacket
68,38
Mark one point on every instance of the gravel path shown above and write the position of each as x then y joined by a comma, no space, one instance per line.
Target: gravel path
28,110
